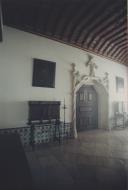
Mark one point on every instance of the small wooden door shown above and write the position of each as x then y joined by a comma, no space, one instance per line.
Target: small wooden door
86,108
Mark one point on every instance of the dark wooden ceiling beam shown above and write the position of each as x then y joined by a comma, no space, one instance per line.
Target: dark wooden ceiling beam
89,15
108,28
79,14
105,36
117,55
110,33
98,27
42,22
19,14
74,34
123,56
116,52
87,32
55,11
106,41
120,53
117,48
110,43
125,60
60,20
69,15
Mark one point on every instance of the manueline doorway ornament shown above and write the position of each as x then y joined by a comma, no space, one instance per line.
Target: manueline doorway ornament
92,66
79,79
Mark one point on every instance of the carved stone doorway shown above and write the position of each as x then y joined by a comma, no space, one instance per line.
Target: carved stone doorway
86,108
100,85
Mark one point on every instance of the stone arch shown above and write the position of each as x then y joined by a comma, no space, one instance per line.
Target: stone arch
103,102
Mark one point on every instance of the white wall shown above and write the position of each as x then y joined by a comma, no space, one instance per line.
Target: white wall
16,54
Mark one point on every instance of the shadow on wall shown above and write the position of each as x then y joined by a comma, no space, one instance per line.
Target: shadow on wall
13,114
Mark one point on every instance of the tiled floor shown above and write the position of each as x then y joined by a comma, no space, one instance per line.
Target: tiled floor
97,160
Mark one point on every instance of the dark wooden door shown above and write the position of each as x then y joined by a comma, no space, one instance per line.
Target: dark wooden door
86,108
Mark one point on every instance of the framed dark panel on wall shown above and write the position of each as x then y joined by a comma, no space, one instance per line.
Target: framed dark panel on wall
43,73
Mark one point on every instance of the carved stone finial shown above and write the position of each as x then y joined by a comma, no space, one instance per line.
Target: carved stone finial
92,66
73,67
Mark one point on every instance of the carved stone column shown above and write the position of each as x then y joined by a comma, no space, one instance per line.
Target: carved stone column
74,81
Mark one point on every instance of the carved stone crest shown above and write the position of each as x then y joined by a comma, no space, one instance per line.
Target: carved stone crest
92,66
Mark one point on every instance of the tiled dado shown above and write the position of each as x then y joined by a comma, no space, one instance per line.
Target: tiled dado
42,133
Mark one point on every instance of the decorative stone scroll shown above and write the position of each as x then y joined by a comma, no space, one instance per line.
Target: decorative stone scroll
79,79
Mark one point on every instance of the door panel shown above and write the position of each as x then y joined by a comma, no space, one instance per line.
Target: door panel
86,108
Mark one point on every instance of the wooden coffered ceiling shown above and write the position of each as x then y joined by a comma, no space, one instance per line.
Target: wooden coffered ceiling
98,26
